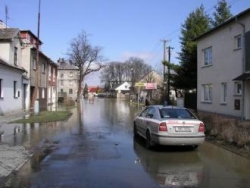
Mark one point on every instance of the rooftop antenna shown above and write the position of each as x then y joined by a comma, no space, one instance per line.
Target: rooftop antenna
6,15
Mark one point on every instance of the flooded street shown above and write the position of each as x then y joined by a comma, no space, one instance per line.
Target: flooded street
95,148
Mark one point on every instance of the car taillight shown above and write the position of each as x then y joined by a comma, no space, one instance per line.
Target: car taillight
163,127
201,127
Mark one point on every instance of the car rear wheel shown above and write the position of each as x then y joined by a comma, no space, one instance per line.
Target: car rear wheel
148,141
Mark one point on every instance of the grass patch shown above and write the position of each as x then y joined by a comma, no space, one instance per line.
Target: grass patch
46,116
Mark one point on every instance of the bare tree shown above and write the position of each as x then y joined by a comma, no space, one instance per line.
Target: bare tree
86,57
129,71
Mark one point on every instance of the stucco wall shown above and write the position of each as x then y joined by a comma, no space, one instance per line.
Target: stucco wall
4,49
69,82
8,103
226,65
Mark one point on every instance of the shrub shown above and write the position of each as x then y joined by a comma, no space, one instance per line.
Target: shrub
229,130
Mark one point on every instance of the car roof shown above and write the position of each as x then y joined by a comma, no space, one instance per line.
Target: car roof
167,107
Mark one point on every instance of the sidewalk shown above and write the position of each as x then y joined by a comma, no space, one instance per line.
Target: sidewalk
12,117
11,157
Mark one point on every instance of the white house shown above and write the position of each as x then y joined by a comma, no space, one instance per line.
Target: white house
13,79
224,68
123,90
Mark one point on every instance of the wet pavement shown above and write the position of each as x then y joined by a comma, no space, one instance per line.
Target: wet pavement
95,148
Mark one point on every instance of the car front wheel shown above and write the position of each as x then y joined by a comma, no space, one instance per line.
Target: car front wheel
135,131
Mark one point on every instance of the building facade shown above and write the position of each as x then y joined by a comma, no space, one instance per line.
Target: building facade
20,74
67,80
43,83
224,68
52,83
13,79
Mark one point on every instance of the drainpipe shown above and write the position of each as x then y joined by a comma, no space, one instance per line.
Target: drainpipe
243,67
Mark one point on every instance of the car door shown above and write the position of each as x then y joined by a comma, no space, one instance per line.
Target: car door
150,120
141,120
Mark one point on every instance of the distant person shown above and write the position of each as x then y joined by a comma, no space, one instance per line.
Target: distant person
147,103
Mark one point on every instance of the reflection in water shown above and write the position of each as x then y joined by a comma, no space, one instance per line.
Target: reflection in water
170,167
110,121
224,165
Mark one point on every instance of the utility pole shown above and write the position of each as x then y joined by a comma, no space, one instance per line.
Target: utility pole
36,105
168,81
6,15
164,72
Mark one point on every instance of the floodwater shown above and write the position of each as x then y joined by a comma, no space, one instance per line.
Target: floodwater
95,148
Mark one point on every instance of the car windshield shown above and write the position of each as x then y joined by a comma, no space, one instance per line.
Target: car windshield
176,113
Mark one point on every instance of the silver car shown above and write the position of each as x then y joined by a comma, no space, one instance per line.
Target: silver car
169,125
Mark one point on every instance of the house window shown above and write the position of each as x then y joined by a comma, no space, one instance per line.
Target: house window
15,89
207,56
61,90
49,67
207,92
237,88
34,63
61,82
43,67
1,88
238,41
223,92
37,94
54,74
15,55
70,82
43,93
70,91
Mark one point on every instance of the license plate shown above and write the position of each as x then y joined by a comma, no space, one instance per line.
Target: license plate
183,129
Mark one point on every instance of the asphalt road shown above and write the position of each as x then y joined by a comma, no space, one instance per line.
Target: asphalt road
95,148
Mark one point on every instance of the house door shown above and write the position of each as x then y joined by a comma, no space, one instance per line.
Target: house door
32,97
24,95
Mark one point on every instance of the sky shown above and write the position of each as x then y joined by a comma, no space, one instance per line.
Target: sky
122,28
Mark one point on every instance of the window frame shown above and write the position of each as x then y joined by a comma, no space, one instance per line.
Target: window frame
70,82
43,93
15,55
207,93
15,91
70,91
43,68
208,56
238,41
34,63
49,72
237,88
